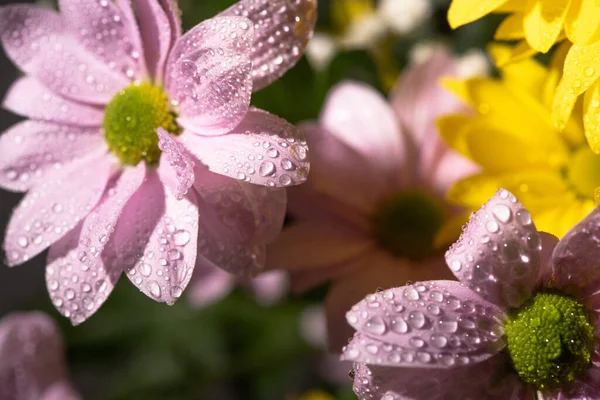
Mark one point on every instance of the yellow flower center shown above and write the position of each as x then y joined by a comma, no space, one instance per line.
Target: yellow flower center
130,122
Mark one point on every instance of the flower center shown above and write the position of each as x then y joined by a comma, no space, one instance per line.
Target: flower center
550,339
583,171
131,119
405,224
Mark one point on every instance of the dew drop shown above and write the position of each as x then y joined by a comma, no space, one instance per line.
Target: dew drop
266,168
376,325
502,213
416,319
447,324
154,288
410,293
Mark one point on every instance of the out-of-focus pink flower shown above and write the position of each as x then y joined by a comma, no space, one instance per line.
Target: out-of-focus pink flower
103,79
32,363
523,318
373,204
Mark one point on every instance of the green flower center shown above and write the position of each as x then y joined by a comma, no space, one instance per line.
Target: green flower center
583,171
130,122
406,223
550,339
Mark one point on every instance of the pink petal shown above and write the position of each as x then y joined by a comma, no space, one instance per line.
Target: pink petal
269,205
270,287
156,239
575,257
176,168
498,253
208,75
450,166
263,149
549,242
484,380
157,37
227,226
282,30
209,284
360,117
174,14
106,32
343,173
431,324
29,98
311,245
81,271
55,206
30,152
60,391
31,355
38,42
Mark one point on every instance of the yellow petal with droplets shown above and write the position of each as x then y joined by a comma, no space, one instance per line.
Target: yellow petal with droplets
581,70
511,28
464,11
591,116
543,21
582,24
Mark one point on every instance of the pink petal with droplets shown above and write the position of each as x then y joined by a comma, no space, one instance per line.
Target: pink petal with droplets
174,14
61,391
269,207
32,151
431,324
37,41
343,173
484,380
55,206
282,28
106,32
360,117
176,169
227,226
498,253
29,98
157,36
209,283
575,257
549,242
208,75
83,268
126,7
156,239
263,149
31,355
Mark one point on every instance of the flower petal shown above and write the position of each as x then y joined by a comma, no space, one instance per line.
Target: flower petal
591,116
227,226
209,283
282,29
32,354
360,117
269,287
269,205
575,257
61,391
156,238
431,324
55,206
174,14
498,253
38,42
157,37
208,75
462,12
106,32
81,271
29,98
484,380
263,149
543,22
582,22
31,151
176,169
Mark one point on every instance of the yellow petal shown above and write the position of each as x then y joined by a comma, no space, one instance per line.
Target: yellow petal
561,218
543,22
581,70
582,24
527,75
451,129
512,6
520,52
591,116
511,28
464,11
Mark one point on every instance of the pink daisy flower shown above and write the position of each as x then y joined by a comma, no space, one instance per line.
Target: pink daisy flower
371,210
32,363
521,323
104,191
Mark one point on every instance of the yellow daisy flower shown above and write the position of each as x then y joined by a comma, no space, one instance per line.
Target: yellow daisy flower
512,137
539,24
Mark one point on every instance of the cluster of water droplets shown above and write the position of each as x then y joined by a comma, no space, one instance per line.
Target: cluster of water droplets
181,164
498,254
282,32
423,324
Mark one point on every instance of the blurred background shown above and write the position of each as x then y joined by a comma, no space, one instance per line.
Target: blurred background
238,347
